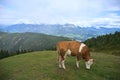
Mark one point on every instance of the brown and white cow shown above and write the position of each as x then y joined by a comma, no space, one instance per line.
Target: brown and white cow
73,48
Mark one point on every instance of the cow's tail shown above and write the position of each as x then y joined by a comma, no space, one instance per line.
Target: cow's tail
60,55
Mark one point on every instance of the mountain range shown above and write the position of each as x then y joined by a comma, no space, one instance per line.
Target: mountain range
67,30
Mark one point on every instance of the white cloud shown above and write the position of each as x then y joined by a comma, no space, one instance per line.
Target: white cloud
80,12
110,21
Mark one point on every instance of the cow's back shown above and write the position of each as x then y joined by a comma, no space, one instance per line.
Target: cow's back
73,46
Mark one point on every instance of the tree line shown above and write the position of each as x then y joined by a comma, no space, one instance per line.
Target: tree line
108,42
6,53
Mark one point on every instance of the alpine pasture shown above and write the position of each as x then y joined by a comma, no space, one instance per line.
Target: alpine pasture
43,65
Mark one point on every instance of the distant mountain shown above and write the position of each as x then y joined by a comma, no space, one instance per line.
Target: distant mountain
67,30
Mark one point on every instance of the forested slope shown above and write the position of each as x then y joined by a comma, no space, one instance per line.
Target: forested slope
17,43
109,42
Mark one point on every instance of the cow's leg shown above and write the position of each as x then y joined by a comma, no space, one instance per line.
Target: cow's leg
77,61
63,62
62,57
59,60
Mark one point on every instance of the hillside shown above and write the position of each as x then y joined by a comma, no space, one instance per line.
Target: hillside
15,43
43,66
66,30
109,42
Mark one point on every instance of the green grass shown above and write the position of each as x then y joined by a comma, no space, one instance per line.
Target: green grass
44,66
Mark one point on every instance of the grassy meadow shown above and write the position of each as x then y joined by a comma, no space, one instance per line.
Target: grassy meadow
43,65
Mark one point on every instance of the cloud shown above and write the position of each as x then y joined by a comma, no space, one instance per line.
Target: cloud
112,20
79,12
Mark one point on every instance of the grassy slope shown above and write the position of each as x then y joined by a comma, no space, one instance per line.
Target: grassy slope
43,66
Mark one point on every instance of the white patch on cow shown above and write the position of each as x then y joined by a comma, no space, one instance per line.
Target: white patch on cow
89,63
77,64
81,47
68,53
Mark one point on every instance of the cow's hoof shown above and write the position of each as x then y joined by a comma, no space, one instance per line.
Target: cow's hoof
64,68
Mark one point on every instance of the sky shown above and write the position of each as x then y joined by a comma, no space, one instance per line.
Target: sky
84,13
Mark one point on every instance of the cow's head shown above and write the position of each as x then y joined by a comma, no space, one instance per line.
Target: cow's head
89,63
